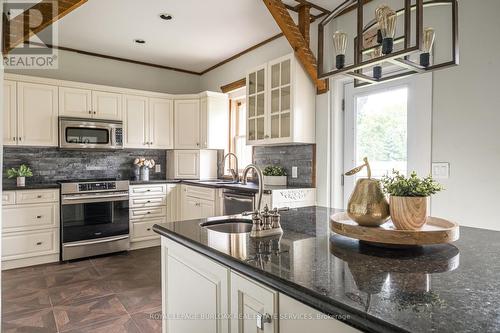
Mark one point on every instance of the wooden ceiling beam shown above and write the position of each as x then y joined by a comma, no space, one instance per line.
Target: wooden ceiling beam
18,30
299,44
305,22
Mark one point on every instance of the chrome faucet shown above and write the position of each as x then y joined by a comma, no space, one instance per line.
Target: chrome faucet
234,172
260,177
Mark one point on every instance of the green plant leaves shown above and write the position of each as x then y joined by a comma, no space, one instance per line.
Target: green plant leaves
412,186
23,171
274,171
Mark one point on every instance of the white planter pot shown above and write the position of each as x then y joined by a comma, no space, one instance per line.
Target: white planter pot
275,180
21,181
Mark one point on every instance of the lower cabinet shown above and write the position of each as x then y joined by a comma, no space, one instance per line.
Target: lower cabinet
195,291
198,202
30,227
201,295
254,308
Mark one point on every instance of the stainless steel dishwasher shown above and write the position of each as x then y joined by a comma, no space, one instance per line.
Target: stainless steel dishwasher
237,202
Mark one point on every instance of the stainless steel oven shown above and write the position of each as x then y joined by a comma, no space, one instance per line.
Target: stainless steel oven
83,133
237,202
94,218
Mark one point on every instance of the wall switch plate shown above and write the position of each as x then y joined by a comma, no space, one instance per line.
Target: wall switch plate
441,170
295,172
158,168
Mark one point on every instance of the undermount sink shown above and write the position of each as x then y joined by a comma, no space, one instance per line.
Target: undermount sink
218,181
232,226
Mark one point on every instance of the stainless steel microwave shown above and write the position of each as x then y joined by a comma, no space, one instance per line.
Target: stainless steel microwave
81,133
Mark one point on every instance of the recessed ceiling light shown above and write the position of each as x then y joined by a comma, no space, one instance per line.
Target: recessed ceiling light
139,41
166,17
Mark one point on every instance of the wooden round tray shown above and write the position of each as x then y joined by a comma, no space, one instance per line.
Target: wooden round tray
435,231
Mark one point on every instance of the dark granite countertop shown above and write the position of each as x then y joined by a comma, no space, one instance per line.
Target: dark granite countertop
154,181
249,187
36,186
438,288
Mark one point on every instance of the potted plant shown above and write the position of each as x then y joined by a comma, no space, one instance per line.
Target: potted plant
274,175
21,174
408,199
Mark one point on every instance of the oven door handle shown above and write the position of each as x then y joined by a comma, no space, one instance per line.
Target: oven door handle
104,240
68,200
241,199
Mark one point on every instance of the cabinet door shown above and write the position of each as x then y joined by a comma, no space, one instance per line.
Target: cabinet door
9,113
187,164
161,123
191,208
254,308
135,120
256,101
279,116
187,124
173,201
214,122
107,105
207,208
74,102
37,114
194,286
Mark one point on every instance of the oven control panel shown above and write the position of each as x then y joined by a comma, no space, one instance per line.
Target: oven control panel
96,186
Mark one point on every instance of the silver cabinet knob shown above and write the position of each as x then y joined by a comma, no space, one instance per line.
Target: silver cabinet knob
90,112
95,112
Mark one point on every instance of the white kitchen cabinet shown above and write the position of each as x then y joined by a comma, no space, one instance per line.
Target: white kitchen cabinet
37,112
86,103
296,319
106,105
193,285
173,202
9,113
254,308
135,121
280,103
75,102
148,122
30,227
183,164
161,123
187,124
197,202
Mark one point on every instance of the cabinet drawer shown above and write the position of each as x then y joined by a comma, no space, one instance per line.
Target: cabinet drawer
147,213
147,202
29,217
8,198
142,230
142,190
37,196
200,192
31,243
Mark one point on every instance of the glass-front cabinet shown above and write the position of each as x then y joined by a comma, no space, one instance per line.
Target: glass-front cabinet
281,103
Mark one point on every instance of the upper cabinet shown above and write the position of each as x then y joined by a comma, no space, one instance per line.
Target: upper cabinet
187,124
36,116
202,123
148,122
280,103
9,113
85,103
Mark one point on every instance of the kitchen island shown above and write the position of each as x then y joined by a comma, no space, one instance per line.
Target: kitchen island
274,281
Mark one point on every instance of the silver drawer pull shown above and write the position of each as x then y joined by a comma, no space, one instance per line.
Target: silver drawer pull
148,213
149,201
39,196
39,216
39,243
148,229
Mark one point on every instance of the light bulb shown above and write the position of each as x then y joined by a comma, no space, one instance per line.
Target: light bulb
377,70
340,46
425,57
386,19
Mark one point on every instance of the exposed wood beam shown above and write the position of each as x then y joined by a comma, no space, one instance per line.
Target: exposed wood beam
234,85
297,41
305,21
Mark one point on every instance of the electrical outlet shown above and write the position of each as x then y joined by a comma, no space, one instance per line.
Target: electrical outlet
295,172
441,170
158,168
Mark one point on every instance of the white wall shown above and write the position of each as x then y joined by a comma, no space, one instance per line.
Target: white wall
83,68
466,120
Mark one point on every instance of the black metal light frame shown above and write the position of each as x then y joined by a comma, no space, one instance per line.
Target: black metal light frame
399,58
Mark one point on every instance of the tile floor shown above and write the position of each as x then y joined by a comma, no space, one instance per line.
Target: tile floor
113,294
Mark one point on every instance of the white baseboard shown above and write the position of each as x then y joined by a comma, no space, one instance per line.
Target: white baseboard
145,244
17,263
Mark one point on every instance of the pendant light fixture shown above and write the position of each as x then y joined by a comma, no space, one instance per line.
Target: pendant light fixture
340,46
377,70
428,42
386,19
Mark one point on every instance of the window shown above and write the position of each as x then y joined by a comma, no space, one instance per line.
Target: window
237,135
391,125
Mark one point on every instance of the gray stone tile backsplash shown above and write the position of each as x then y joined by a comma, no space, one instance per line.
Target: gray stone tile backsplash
300,156
50,165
